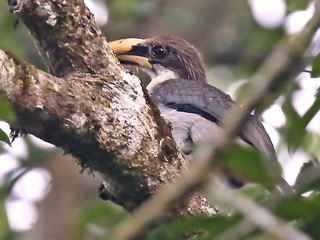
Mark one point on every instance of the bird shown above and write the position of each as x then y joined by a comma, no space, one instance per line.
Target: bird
192,107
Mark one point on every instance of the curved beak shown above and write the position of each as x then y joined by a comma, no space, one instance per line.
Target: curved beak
131,51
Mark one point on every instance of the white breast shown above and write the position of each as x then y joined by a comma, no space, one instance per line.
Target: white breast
162,74
189,126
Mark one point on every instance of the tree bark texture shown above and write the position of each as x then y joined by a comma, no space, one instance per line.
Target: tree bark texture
90,106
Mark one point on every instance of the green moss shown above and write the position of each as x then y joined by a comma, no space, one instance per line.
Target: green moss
25,71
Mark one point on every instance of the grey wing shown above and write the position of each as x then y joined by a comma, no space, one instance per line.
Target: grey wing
210,103
189,127
204,130
254,132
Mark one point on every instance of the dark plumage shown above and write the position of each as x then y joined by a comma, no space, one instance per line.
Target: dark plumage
177,55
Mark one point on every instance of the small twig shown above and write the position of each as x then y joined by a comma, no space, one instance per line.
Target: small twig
256,215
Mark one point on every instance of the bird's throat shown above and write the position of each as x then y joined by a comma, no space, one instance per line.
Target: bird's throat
161,74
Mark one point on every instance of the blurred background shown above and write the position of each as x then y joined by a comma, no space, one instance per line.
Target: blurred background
44,194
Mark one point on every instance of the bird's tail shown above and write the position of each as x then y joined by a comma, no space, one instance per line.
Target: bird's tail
283,188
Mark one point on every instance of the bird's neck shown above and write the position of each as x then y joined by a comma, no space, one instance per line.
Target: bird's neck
161,74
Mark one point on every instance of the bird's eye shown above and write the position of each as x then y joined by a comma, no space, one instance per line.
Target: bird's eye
158,51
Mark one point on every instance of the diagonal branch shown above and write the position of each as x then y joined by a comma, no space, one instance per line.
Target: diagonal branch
98,112
66,36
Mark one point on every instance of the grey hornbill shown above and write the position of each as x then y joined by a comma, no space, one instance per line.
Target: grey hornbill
193,108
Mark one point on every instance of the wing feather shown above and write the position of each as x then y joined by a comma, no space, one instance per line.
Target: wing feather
211,103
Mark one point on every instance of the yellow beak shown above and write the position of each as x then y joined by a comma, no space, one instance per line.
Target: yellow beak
122,48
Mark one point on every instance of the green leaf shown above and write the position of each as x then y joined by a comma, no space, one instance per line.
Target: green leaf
205,227
299,208
261,236
251,164
312,111
294,129
4,137
106,214
1,149
255,191
311,143
315,71
293,5
6,111
304,211
5,231
309,177
312,228
297,133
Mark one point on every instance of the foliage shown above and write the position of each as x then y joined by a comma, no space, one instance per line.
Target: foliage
104,215
315,72
200,225
6,114
236,42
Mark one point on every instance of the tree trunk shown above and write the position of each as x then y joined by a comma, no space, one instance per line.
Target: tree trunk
90,106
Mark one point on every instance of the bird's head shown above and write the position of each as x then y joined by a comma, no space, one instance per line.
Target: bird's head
162,54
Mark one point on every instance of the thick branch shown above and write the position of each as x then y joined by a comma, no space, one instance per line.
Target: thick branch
98,112
105,123
66,35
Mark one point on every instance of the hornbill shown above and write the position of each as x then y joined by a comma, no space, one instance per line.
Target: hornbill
193,108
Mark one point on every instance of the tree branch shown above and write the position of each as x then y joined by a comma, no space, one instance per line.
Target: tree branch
66,36
255,215
98,112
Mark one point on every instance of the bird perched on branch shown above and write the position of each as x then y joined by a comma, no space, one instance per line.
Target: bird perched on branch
193,108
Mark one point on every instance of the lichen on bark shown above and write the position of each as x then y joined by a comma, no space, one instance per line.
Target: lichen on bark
92,107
